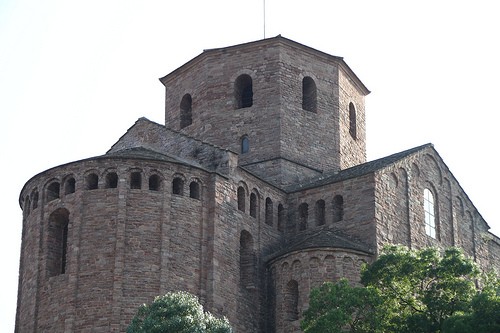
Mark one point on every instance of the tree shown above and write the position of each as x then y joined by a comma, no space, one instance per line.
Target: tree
176,312
334,307
422,288
418,291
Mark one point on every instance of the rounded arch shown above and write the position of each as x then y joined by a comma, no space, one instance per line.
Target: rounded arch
430,207
319,212
291,301
69,184
178,184
111,179
338,208
243,91
135,179
244,144
52,190
352,121
155,182
309,94
247,260
303,216
57,242
269,211
195,189
91,180
186,111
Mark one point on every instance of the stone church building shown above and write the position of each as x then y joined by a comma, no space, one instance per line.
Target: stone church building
255,190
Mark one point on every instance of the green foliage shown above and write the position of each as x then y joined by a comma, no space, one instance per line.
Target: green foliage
176,312
336,307
417,291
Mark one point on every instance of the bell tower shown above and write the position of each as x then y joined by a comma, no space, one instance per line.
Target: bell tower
290,111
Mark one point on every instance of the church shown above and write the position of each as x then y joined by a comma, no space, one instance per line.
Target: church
255,190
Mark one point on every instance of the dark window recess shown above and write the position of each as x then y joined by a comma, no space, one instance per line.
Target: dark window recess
194,190
92,181
154,183
112,180
178,186
243,91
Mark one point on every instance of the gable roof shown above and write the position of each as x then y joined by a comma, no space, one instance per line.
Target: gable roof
356,171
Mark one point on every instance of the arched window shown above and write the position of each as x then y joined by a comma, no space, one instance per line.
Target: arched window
352,121
186,111
194,190
243,91
241,198
429,213
57,243
69,185
308,94
111,180
320,212
269,211
291,301
245,144
303,216
91,181
135,180
53,191
27,206
154,183
338,208
247,260
253,205
178,186
281,217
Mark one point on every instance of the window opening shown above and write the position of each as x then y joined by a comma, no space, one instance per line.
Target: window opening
194,190
34,200
112,180
253,205
247,260
178,186
291,300
429,212
57,243
241,198
53,191
320,212
245,144
303,216
69,186
308,94
269,211
154,183
352,121
243,91
281,217
338,208
92,181
186,111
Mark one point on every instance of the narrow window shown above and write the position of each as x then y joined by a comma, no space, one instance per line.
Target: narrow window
194,190
253,205
281,217
291,300
320,212
53,191
186,111
308,94
178,186
92,181
243,91
57,243
303,216
338,208
154,183
34,199
69,186
245,144
269,211
27,206
429,212
247,260
135,180
111,180
241,198
352,120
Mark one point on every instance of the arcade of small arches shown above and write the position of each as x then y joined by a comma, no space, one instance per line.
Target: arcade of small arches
56,189
244,98
303,210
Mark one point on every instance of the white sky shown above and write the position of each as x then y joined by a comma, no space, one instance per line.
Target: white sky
75,75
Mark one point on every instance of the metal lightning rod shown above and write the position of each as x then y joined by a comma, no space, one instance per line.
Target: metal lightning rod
264,19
